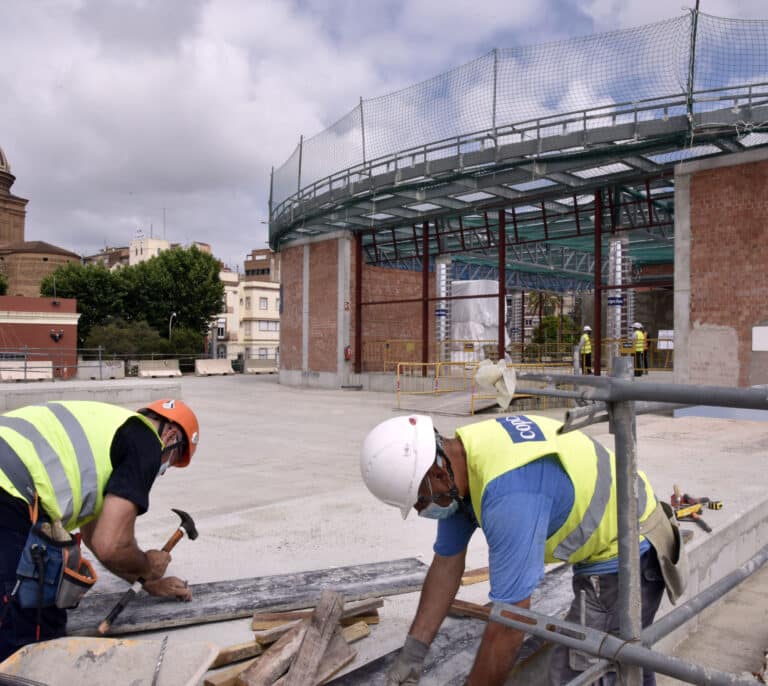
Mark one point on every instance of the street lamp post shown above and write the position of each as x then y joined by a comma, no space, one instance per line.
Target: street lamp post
170,324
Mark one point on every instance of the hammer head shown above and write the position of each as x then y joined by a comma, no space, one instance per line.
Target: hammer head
187,523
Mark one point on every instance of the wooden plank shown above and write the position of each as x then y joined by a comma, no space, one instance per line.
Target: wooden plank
353,632
475,576
275,661
360,608
463,608
228,677
236,653
223,600
337,655
321,629
269,636
259,626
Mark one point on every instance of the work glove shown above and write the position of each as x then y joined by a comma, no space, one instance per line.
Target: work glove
406,670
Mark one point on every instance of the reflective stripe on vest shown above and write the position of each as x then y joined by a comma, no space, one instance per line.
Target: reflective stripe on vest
586,344
48,457
62,449
590,532
595,510
639,341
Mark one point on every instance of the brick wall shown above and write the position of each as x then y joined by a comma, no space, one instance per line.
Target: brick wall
395,322
26,270
323,306
292,263
729,278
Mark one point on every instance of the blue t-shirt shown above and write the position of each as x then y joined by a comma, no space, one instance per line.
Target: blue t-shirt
520,510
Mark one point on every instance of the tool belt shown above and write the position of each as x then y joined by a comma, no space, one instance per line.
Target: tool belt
52,573
663,533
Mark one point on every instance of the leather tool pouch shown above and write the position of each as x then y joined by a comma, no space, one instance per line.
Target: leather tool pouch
663,533
52,573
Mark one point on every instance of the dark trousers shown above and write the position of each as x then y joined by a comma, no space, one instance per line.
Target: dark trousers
19,626
639,363
586,363
601,599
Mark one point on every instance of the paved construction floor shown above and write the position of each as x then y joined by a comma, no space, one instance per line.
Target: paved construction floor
275,488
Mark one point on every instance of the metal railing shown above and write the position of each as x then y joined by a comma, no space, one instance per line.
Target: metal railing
628,653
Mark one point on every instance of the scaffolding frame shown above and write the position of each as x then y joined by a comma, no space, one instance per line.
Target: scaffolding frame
614,397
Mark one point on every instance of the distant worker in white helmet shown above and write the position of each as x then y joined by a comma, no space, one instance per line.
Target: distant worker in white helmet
639,346
539,496
585,349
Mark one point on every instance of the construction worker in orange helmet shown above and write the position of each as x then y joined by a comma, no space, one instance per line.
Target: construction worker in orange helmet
88,465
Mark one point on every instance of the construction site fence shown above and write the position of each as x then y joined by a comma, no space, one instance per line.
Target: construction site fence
384,355
645,73
436,378
23,363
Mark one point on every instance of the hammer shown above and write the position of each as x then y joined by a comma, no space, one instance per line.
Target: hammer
187,524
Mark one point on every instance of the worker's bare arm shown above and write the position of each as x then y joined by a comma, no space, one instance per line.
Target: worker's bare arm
111,539
497,653
437,594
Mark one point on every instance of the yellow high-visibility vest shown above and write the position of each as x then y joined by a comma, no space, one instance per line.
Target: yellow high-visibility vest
61,450
639,337
586,344
590,533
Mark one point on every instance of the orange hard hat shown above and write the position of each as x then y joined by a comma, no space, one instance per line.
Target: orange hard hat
180,413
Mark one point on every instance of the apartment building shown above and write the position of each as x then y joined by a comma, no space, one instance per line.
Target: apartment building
260,305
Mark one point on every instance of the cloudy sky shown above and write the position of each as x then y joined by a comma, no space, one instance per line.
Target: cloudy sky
167,115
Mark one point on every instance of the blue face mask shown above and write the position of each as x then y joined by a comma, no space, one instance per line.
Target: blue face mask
435,511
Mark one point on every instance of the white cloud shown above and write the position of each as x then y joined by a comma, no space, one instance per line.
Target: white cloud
115,109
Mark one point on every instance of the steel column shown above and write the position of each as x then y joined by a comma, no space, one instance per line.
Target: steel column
502,282
425,295
597,313
629,602
358,303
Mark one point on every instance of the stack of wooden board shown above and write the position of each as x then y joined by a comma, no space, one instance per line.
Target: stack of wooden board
298,648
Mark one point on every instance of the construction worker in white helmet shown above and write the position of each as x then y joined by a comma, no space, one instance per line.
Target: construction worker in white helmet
539,496
585,349
639,346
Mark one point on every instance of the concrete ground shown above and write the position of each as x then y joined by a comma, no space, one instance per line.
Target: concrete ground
275,488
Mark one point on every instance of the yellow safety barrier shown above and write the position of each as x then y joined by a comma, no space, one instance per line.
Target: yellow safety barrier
432,378
543,402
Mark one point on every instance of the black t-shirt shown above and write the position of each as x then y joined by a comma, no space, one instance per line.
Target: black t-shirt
135,457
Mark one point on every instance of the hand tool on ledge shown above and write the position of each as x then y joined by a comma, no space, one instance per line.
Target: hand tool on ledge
187,525
690,513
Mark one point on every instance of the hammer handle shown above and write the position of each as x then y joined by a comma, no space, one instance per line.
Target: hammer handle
130,594
173,540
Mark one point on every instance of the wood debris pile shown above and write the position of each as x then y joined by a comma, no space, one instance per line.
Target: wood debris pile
297,648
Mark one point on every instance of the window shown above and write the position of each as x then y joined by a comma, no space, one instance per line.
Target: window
221,330
266,325
248,302
263,304
247,353
263,352
277,304
247,326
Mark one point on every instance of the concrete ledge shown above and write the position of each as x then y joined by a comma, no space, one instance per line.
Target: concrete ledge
88,370
158,368
212,367
20,370
122,392
256,366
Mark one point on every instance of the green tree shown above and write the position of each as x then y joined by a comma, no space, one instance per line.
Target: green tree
187,342
182,280
99,293
547,331
119,337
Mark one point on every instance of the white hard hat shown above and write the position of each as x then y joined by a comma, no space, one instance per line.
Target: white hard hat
587,328
395,457
637,325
